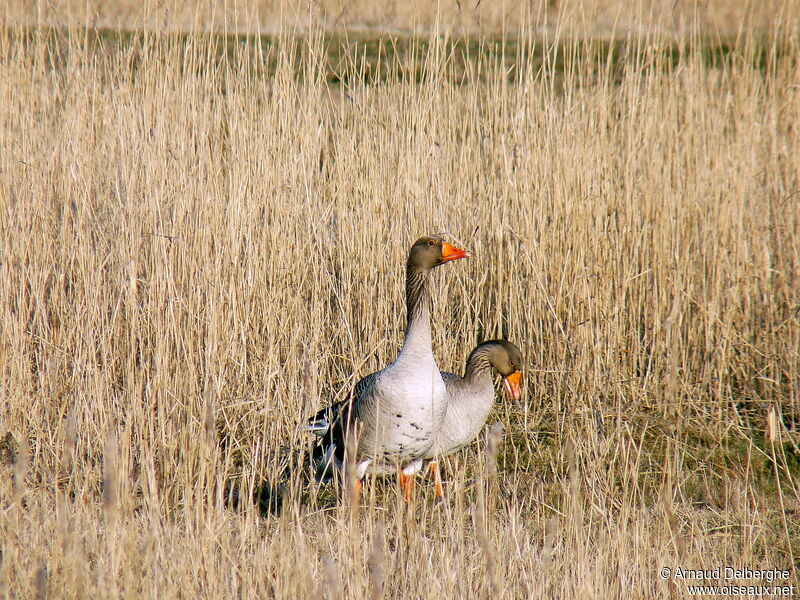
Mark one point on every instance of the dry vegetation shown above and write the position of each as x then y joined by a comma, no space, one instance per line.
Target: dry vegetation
201,246
580,17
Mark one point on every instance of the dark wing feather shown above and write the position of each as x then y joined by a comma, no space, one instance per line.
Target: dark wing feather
449,377
332,424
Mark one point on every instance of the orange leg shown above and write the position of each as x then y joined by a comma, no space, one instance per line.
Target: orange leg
355,492
406,484
409,488
437,478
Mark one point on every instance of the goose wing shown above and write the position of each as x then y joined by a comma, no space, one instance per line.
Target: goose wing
332,425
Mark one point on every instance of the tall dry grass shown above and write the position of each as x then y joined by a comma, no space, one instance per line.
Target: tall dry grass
580,17
200,248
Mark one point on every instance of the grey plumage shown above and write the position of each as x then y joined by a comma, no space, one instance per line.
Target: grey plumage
394,412
470,398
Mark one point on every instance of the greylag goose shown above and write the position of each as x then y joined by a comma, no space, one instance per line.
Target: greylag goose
470,398
393,413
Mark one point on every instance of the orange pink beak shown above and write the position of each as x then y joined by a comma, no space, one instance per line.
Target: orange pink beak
513,384
450,252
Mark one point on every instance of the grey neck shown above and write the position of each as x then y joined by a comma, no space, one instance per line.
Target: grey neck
478,365
418,296
418,301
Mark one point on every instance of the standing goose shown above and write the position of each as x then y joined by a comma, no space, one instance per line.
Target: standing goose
470,398
395,412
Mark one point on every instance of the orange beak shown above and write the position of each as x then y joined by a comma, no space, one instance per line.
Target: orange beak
513,384
450,252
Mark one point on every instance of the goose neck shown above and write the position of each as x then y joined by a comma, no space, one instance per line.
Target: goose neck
478,366
418,300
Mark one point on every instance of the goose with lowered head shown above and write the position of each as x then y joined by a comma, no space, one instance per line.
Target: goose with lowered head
470,398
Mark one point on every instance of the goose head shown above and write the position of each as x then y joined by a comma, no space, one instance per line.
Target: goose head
431,251
506,358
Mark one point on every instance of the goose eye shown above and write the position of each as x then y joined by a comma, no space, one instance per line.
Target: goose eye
431,243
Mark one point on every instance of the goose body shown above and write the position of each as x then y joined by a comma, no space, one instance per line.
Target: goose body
468,406
393,413
401,408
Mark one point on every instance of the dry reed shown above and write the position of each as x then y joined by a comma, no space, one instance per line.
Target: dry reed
201,247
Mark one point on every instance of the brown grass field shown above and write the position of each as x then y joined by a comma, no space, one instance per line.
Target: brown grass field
591,18
203,239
